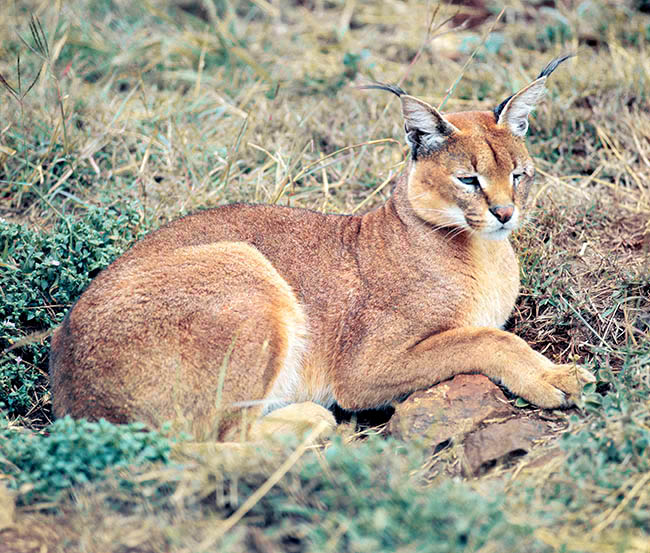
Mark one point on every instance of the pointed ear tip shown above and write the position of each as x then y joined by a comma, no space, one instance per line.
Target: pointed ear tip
410,98
539,81
412,102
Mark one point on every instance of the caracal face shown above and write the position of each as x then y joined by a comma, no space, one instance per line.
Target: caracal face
471,171
477,181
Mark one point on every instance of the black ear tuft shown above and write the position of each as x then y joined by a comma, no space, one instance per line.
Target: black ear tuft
552,65
381,86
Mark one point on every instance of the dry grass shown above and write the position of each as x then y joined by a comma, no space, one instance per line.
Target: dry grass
182,109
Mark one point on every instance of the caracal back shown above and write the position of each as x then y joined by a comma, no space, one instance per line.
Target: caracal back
261,307
150,341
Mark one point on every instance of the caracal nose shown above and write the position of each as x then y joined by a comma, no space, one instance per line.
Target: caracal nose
503,212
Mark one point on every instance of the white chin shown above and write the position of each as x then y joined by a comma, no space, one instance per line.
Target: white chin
499,234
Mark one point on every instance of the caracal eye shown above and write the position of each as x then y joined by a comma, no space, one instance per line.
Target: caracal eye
470,181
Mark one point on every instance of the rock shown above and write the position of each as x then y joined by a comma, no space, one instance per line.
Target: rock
450,409
547,458
500,442
473,414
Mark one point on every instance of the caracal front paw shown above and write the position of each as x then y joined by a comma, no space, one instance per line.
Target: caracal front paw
562,385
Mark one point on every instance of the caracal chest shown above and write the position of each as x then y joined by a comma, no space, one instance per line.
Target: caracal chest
495,286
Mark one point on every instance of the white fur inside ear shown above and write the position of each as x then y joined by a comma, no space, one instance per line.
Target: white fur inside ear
432,141
517,110
431,128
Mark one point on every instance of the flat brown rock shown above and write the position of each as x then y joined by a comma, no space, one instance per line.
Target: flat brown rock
501,442
450,409
472,413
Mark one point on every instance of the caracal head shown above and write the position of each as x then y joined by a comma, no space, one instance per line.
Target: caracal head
471,171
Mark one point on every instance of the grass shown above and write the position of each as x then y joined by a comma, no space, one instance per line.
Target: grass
137,113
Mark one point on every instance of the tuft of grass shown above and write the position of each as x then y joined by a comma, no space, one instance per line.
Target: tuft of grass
348,498
374,495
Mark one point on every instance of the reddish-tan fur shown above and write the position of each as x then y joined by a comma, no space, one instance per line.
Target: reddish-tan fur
291,305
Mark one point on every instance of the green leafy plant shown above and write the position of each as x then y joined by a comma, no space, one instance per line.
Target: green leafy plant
72,453
612,452
42,275
603,478
385,509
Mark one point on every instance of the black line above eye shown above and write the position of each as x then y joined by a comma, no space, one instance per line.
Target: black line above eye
471,181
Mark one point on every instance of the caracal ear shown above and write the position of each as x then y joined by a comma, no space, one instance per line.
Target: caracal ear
426,129
514,111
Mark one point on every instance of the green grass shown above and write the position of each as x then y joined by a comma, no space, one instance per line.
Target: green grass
141,112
